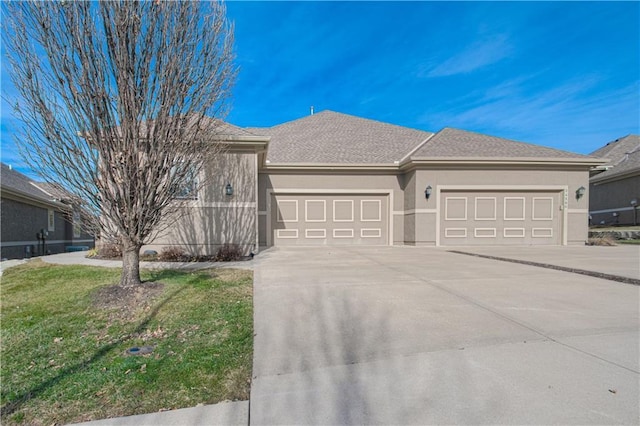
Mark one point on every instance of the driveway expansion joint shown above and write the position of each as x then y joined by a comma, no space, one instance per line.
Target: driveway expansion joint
507,317
611,277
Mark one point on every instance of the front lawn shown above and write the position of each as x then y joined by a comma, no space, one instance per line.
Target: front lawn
64,343
628,242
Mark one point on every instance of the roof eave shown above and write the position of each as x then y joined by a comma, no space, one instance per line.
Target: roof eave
30,197
598,179
330,166
591,162
257,144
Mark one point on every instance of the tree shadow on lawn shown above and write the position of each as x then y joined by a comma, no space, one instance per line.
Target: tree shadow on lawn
13,406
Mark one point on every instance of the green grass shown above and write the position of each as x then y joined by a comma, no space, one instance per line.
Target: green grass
63,358
628,242
602,228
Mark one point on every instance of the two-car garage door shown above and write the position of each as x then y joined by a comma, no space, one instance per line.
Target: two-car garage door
466,217
500,218
330,219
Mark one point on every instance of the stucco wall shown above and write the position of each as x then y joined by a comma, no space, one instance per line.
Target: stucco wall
614,197
414,216
577,212
408,216
203,225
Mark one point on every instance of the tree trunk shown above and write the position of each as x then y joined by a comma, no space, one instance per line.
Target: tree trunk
130,266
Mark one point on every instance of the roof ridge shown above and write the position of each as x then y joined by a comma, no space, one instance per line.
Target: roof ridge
302,118
350,116
616,142
16,181
453,142
417,147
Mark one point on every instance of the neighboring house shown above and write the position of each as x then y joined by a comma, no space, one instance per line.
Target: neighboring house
615,188
27,208
336,179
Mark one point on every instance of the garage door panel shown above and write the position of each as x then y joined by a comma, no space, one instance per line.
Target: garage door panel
485,208
500,218
542,208
315,210
455,208
330,219
287,211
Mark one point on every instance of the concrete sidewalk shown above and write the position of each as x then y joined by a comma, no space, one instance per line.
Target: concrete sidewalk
79,258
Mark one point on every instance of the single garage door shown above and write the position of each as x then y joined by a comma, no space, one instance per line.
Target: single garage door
500,218
328,219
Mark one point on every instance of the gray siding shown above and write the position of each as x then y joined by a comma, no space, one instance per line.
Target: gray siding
614,196
20,222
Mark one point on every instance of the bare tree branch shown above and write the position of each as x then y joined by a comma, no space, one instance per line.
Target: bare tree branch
121,101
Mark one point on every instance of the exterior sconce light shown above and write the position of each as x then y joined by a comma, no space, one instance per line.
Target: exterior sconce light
427,192
228,190
580,192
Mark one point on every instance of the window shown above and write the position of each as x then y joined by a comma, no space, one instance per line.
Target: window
77,225
51,225
190,188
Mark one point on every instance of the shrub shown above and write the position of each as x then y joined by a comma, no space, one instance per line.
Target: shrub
228,253
149,255
92,253
109,251
606,240
173,254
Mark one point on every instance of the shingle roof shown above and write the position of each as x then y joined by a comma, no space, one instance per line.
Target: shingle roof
209,125
615,150
13,180
226,129
333,138
460,143
624,154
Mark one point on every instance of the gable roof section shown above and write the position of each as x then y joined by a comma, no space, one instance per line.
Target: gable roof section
329,137
461,144
625,157
14,181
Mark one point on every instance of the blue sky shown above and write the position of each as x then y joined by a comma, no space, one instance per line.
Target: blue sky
564,75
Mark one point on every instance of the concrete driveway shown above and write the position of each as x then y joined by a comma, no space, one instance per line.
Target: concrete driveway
403,335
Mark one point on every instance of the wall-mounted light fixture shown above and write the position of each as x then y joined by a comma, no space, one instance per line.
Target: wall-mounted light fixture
228,190
580,192
427,192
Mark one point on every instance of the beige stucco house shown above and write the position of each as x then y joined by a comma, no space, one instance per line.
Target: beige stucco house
336,179
615,188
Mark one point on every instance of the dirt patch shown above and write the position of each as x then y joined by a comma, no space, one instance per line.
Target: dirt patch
125,299
229,274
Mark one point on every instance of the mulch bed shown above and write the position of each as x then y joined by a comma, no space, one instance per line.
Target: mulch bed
127,298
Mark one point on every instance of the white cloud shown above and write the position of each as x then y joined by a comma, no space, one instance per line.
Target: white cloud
475,56
573,116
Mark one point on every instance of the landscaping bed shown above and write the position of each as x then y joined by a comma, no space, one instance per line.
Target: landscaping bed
599,235
68,336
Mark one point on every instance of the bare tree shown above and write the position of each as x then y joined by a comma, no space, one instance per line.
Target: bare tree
120,101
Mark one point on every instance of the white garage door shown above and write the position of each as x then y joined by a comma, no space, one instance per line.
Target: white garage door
323,219
500,218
